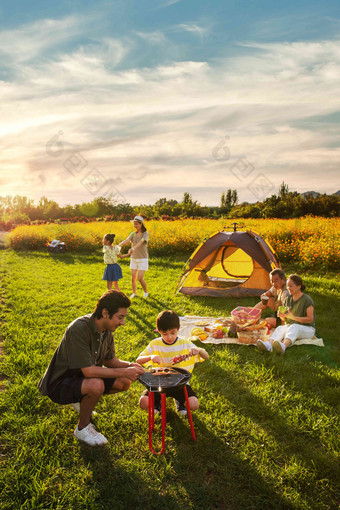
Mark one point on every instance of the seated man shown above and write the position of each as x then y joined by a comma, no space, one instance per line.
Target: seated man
275,296
84,365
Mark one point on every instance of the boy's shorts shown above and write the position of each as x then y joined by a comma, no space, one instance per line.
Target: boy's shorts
177,393
69,389
139,264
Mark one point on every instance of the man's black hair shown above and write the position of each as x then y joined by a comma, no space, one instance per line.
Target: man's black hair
279,272
112,300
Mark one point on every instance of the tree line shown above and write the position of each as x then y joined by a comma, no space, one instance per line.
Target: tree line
284,204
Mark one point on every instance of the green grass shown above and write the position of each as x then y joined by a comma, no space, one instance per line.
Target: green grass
266,431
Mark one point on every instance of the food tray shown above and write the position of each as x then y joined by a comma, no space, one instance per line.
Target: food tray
243,315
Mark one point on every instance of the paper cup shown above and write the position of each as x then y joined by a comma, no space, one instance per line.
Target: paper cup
264,300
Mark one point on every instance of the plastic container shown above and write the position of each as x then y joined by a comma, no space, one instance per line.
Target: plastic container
250,337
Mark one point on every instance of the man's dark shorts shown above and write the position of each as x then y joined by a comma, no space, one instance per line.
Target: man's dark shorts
177,393
69,389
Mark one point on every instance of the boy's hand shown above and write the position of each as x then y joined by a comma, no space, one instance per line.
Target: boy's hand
180,358
156,359
194,351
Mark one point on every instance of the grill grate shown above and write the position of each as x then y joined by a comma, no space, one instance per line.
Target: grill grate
159,382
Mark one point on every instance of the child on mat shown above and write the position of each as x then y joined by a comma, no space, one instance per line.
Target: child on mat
161,352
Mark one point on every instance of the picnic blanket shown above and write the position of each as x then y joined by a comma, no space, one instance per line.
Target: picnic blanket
189,321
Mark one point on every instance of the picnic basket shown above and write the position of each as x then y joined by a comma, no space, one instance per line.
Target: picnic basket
250,337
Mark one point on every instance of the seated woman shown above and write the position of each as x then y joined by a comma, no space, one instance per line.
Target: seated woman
299,319
275,296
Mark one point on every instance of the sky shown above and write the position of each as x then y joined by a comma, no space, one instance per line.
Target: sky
146,99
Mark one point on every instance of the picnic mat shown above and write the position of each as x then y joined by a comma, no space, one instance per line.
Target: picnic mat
190,321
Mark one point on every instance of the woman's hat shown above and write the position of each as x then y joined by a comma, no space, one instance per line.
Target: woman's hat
138,218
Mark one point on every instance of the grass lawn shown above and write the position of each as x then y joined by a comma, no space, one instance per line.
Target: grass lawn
266,431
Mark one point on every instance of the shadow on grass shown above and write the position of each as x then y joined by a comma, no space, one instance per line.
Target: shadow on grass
116,485
63,258
164,262
295,442
205,474
140,320
209,466
157,303
299,374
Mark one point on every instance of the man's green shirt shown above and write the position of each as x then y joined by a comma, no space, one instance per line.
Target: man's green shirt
81,346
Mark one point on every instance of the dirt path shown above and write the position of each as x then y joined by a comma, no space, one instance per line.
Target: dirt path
3,236
2,306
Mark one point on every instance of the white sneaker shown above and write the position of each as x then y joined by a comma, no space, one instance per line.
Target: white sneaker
279,347
90,436
145,295
133,296
76,407
264,346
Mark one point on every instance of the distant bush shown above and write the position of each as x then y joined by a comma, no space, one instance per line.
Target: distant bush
6,225
28,238
311,241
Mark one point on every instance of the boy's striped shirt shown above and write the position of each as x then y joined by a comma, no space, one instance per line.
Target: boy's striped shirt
168,351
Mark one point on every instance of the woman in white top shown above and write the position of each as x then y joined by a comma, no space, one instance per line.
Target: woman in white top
139,255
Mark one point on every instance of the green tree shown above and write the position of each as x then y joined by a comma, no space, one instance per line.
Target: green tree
234,198
228,200
283,190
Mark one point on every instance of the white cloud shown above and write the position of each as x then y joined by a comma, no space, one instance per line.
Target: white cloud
169,2
157,127
155,37
33,40
191,27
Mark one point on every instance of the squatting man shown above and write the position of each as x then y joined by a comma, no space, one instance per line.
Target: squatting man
84,366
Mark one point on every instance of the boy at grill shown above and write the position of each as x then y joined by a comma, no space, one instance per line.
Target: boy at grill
163,352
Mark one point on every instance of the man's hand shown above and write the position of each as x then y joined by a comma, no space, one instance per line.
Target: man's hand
134,364
134,371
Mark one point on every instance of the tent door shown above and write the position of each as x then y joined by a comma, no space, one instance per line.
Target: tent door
237,264
229,267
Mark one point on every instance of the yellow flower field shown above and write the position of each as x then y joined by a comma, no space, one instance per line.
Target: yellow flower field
311,241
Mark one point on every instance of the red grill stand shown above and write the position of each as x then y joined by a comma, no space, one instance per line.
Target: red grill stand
163,408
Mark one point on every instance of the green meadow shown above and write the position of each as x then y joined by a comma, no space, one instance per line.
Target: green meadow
267,431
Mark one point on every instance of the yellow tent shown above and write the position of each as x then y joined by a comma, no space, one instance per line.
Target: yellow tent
234,264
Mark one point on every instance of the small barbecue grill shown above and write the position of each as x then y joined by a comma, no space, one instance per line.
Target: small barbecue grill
170,378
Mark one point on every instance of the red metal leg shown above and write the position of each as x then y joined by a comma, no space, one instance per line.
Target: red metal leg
163,408
189,414
151,409
152,420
